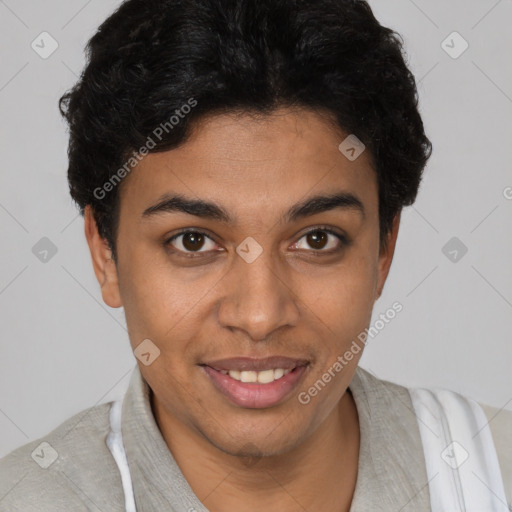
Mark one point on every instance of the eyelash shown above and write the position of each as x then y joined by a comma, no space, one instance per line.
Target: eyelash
344,241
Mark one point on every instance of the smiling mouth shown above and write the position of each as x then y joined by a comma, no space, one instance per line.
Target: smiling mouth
256,383
261,377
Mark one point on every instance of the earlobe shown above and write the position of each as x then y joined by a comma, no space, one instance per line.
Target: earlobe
104,267
386,255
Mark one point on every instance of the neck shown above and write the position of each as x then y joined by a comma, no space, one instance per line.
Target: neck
319,474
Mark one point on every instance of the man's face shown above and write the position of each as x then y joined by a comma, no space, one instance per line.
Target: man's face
212,303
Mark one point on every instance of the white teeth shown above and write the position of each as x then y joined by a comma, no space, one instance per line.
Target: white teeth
249,376
278,373
266,376
263,377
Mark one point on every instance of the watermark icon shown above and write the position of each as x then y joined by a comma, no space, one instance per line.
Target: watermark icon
454,249
351,147
249,250
146,352
343,360
45,455
247,459
44,250
455,455
454,45
44,45
157,133
507,192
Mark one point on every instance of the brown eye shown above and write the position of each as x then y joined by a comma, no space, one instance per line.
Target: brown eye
322,240
191,241
317,239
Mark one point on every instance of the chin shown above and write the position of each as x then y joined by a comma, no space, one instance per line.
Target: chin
250,442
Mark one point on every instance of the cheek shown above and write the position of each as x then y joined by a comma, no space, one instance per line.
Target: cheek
346,295
338,312
160,302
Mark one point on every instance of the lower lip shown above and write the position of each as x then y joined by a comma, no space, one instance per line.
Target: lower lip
253,395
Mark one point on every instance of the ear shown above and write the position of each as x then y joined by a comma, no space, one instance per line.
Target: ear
101,255
386,255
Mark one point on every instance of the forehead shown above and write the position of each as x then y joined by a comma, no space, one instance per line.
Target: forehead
252,162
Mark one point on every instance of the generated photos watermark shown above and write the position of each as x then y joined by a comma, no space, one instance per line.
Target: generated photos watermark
343,360
157,133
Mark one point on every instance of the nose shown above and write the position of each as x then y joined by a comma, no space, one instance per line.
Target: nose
258,298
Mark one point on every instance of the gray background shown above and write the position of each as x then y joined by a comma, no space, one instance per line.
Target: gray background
63,350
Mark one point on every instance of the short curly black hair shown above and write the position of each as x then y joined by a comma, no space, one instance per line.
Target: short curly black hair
150,58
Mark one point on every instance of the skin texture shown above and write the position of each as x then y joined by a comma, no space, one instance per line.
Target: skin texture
292,301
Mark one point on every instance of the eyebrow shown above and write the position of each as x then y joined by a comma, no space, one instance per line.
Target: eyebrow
208,210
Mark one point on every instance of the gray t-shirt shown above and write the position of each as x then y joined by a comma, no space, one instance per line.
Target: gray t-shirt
82,475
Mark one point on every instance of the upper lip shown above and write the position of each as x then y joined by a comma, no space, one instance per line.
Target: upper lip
254,364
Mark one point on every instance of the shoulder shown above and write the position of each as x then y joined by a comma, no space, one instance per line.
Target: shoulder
500,423
70,468
396,400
